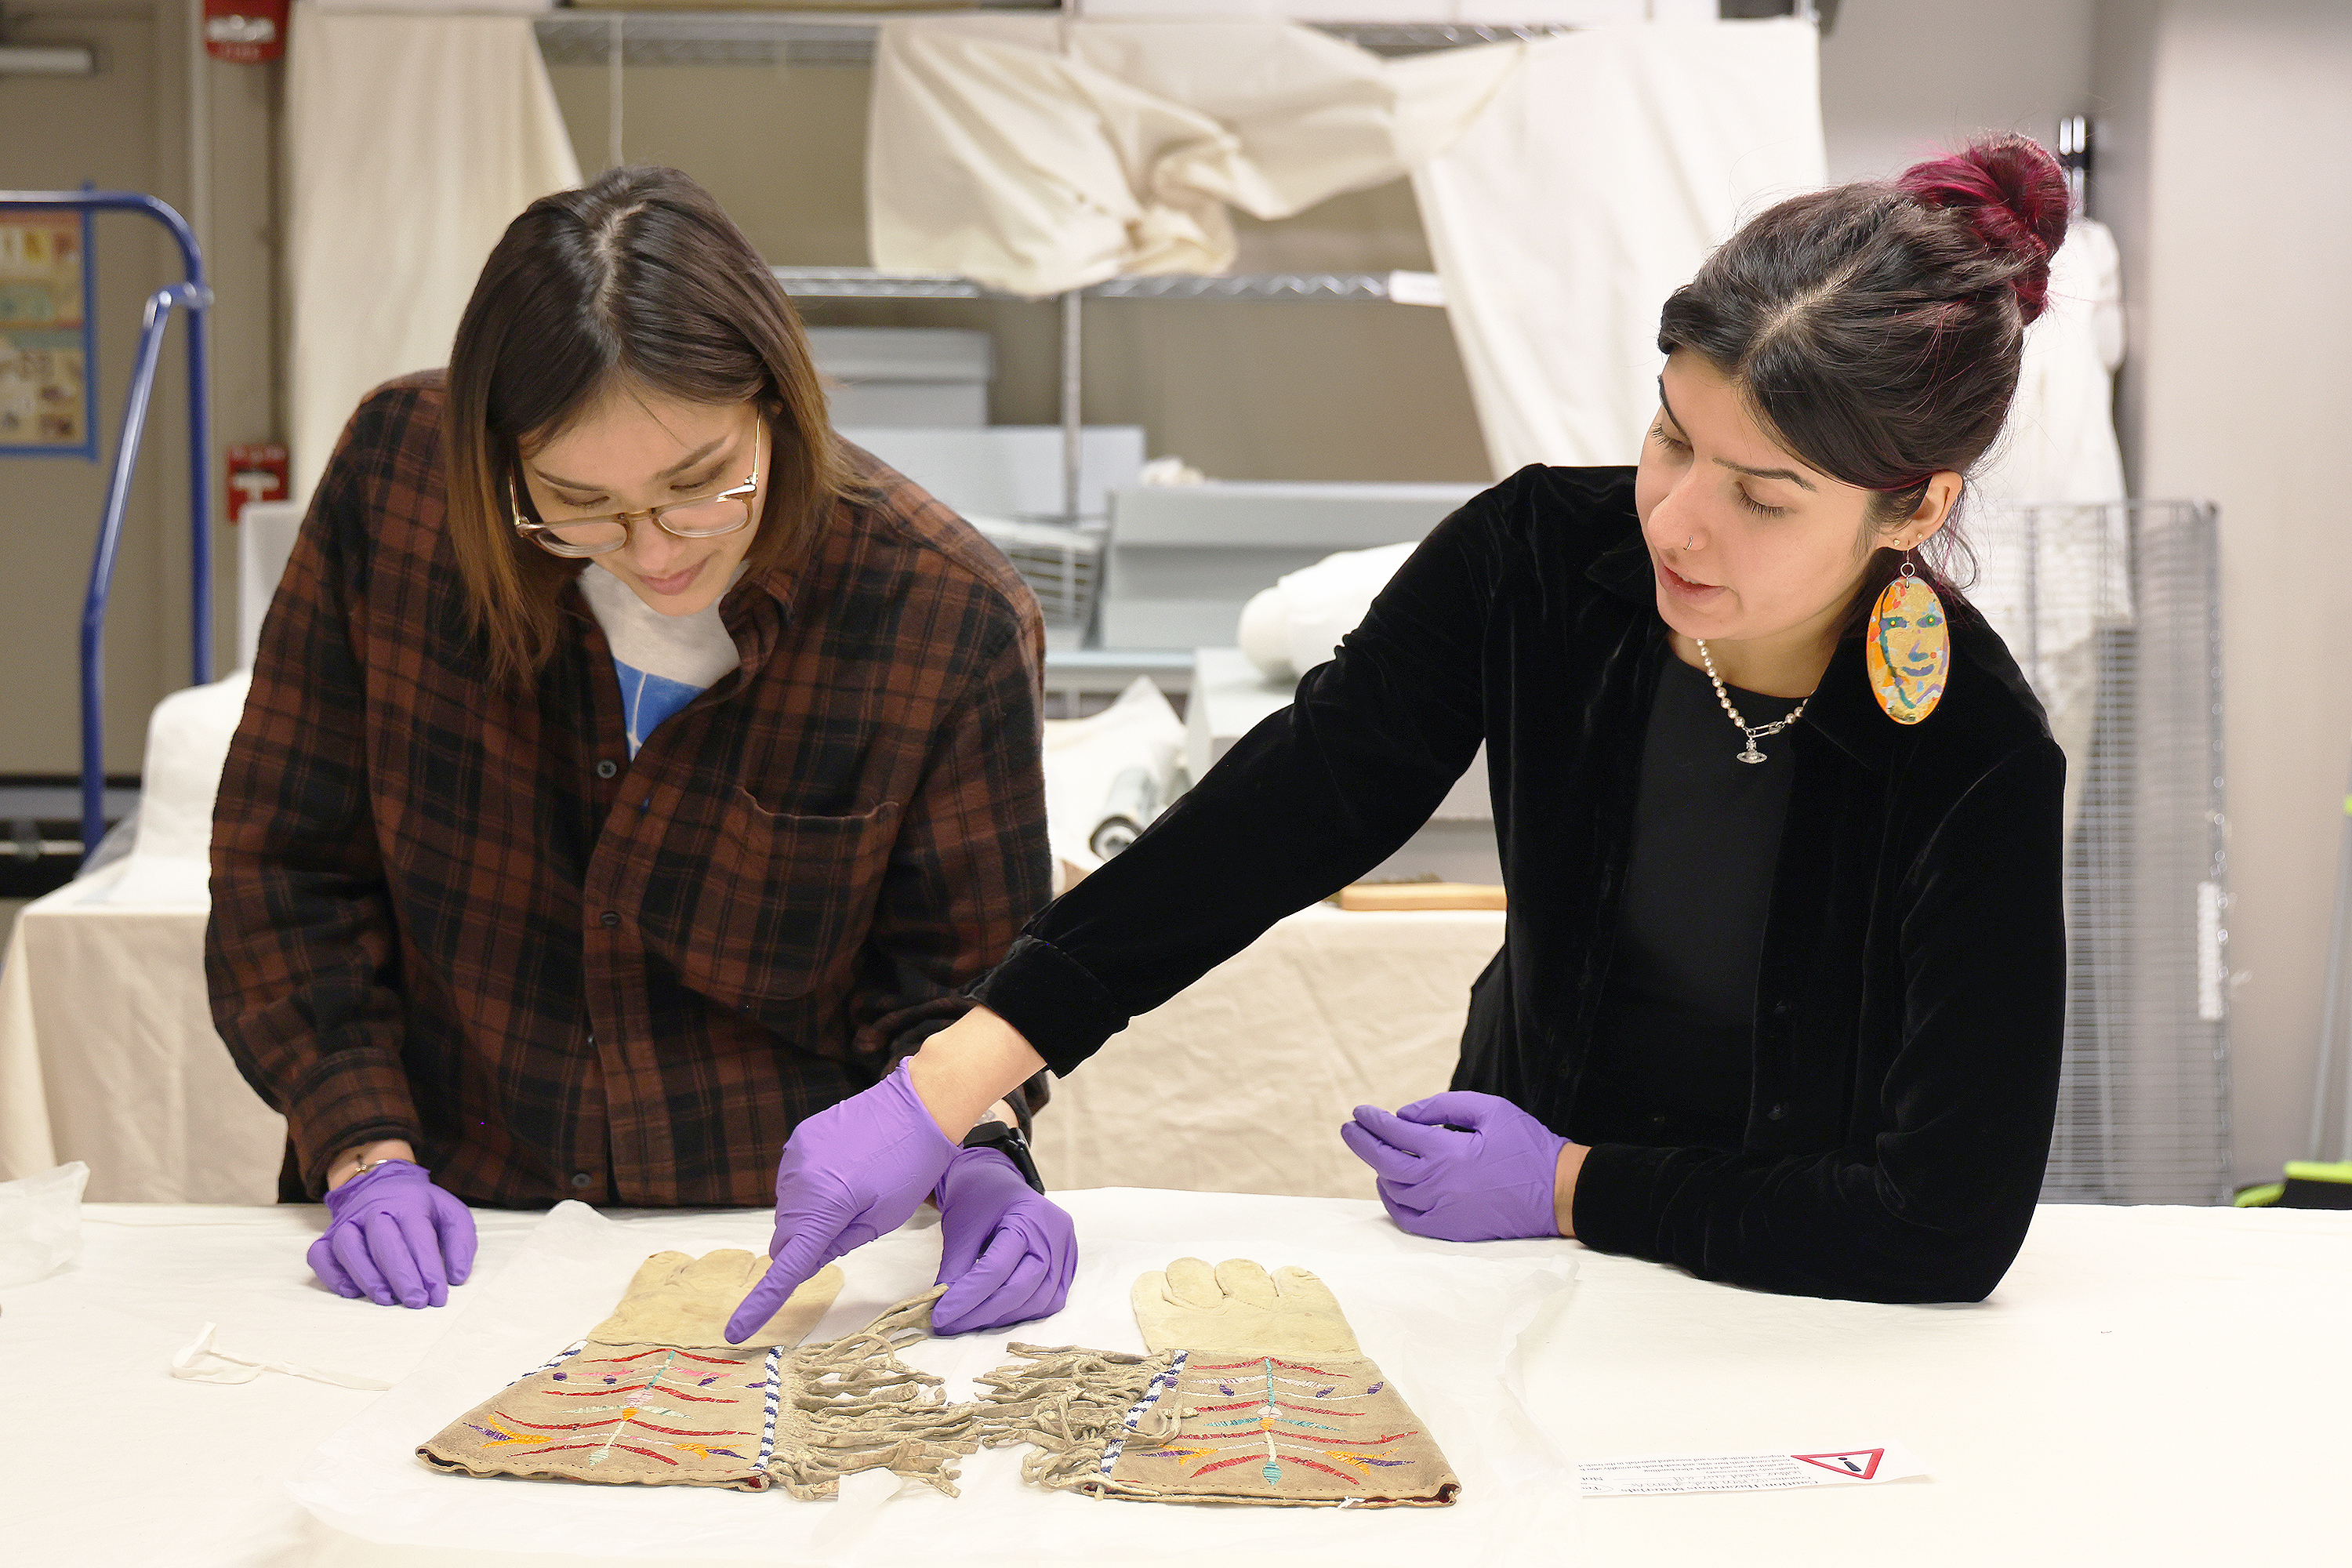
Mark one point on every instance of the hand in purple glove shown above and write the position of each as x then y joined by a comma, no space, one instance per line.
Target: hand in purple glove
394,1237
1006,1252
1489,1184
851,1173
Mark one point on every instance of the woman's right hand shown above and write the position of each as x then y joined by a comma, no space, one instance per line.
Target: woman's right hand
860,1169
395,1237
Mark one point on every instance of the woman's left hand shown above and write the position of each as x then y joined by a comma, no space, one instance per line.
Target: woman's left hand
1006,1252
1497,1177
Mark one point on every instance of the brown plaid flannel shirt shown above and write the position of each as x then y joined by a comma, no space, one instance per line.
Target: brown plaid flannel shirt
468,917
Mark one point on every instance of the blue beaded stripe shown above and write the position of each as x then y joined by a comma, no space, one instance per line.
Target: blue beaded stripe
560,1357
775,1392
1158,1385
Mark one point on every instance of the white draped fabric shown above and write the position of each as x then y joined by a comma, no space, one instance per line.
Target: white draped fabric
2050,578
1567,186
1601,175
412,141
1039,155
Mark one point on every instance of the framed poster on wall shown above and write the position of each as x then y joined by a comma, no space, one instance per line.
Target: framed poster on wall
49,397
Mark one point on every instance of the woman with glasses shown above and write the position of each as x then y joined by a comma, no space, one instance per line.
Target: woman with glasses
632,771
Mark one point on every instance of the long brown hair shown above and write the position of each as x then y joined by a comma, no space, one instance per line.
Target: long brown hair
636,279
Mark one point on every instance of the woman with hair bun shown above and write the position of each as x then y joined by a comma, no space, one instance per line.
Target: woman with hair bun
631,770
1782,993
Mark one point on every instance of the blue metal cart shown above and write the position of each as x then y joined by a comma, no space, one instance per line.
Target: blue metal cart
192,296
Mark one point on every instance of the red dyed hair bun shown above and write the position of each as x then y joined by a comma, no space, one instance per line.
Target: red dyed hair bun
2015,197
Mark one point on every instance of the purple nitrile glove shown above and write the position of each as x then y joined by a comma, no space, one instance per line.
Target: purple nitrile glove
1006,1251
851,1173
395,1237
1489,1184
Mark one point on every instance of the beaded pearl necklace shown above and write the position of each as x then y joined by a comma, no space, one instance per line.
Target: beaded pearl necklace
1754,733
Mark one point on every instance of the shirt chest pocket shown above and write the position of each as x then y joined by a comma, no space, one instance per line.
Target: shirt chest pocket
788,900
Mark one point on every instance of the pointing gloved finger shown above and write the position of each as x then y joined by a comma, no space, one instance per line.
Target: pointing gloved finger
330,1273
815,1243
1386,1163
422,1245
1461,1106
351,1252
389,1247
1413,1137
454,1224
759,1305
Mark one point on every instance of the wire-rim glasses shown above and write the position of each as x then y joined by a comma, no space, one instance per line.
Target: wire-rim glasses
703,517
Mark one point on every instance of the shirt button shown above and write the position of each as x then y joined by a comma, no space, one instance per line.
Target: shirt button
582,1180
610,917
1781,1008
607,768
1779,1111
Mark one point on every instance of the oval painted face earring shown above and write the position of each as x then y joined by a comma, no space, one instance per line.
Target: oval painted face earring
1910,648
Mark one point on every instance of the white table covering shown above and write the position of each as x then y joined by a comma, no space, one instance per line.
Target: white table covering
107,1049
2149,1386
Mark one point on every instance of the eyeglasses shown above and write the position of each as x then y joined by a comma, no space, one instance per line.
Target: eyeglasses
705,517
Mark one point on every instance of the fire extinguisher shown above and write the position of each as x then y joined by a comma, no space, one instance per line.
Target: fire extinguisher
257,471
247,32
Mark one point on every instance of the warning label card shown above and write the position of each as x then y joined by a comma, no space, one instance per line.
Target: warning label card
1638,1474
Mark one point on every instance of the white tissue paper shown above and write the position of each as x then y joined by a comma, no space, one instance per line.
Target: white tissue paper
40,1223
1291,627
188,736
1446,1327
202,1361
1084,757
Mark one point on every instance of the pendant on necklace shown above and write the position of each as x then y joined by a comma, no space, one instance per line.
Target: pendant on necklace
1724,697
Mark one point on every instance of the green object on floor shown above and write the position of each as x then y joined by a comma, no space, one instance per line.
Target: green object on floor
2309,1184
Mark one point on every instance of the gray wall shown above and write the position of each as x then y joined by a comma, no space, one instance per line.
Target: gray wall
133,125
1904,79
2226,118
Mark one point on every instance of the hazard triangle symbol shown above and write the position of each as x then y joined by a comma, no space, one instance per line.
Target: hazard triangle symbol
1854,1465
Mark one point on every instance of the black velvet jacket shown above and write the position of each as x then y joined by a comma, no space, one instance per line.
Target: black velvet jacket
1910,998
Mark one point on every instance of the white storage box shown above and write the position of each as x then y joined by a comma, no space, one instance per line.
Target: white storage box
1184,559
904,375
1012,471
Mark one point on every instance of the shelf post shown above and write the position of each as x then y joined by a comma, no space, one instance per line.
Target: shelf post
1073,407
